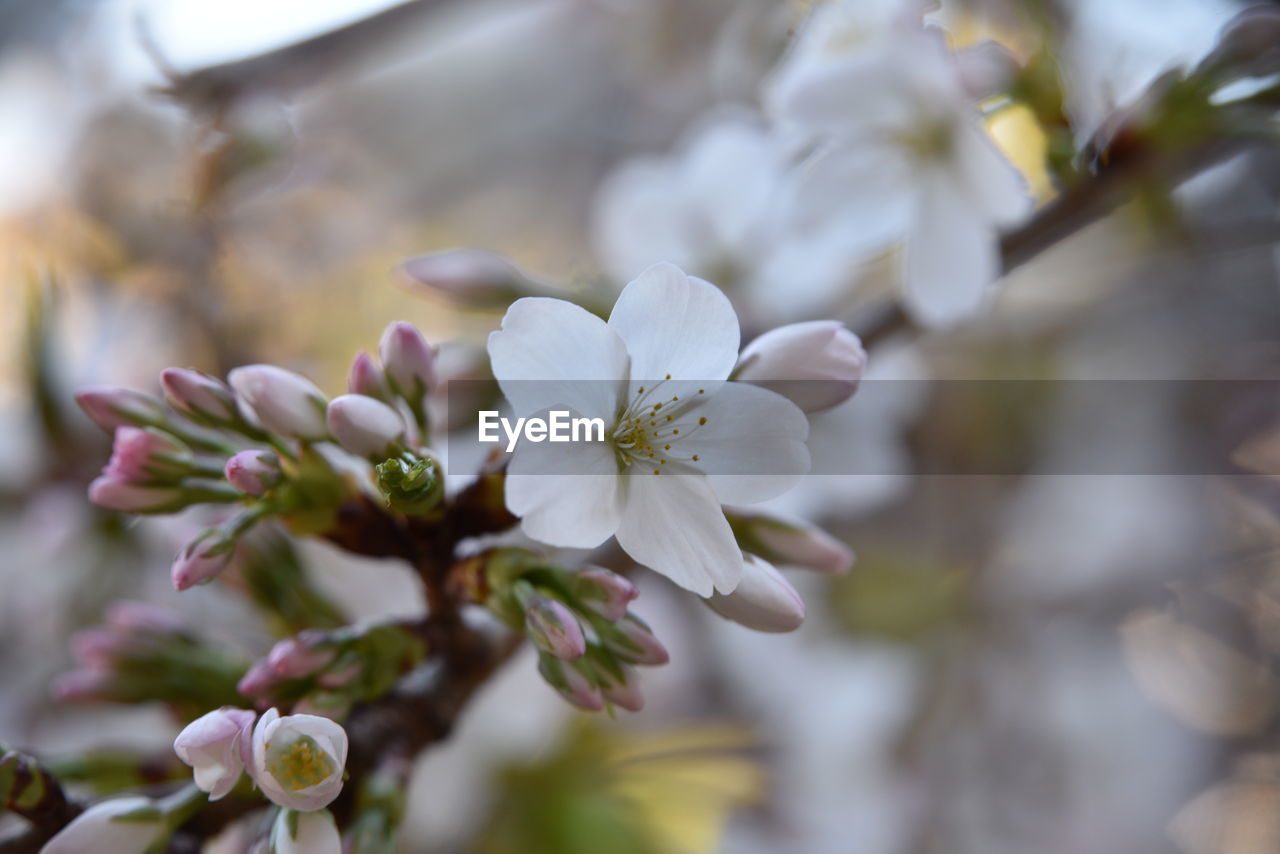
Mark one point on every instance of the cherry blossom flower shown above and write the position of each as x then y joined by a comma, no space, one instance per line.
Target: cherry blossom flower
679,439
216,746
903,156
297,760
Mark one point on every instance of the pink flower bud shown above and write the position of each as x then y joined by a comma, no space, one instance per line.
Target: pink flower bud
471,277
84,686
408,361
126,496
253,472
99,649
280,401
196,565
762,601
258,680
572,683
111,407
295,658
791,542
366,427
198,395
816,365
605,592
552,626
127,615
140,455
625,694
216,746
365,377
642,646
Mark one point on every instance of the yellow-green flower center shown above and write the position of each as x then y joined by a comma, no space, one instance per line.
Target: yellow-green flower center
299,764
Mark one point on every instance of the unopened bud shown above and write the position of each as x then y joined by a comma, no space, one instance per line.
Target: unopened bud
625,693
639,645
128,497
127,615
365,377
297,657
763,600
253,472
84,686
280,401
605,592
111,407
552,626
366,427
572,683
411,487
475,278
201,561
258,679
146,455
816,365
790,542
408,361
199,396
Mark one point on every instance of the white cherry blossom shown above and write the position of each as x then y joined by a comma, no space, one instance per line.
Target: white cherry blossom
298,760
680,439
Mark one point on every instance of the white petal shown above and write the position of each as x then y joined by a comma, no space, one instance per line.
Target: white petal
864,192
317,834
952,255
642,216
673,525
733,170
551,352
997,186
753,445
676,324
95,830
567,494
851,94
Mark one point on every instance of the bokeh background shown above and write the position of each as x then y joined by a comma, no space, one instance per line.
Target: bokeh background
1019,661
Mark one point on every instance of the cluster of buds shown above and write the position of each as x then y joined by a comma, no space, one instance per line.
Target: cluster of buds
330,670
589,643
262,442
144,653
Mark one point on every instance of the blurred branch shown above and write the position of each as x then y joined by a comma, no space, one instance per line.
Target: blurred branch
213,90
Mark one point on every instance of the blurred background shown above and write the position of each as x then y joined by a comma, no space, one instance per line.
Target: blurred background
1018,662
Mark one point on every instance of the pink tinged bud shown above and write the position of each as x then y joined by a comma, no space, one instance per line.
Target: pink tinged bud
552,626
196,565
213,745
625,694
793,543
572,683
111,407
198,395
762,601
280,401
365,377
128,825
127,615
294,658
642,646
116,494
253,472
99,649
298,760
305,833
258,680
816,365
142,455
83,686
366,427
604,592
408,361
473,277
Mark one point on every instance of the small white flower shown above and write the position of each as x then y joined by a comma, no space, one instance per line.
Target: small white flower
679,439
764,601
903,156
216,746
816,365
280,401
298,760
305,833
108,828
